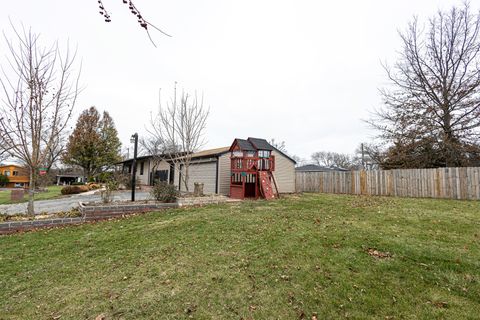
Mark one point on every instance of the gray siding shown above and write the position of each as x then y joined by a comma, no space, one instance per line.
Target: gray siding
284,173
224,174
203,172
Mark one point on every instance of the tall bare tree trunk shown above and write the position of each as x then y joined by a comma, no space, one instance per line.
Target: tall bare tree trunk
31,193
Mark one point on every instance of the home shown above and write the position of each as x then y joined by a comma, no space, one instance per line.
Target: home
18,176
216,168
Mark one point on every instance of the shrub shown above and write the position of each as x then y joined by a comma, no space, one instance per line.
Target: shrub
3,180
164,192
104,177
107,194
93,186
69,214
74,189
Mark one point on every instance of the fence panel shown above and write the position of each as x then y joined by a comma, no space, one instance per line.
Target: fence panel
449,183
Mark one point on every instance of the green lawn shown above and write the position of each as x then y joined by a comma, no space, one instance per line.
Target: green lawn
286,259
53,192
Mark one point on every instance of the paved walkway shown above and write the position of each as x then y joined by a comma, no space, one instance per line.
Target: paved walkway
68,203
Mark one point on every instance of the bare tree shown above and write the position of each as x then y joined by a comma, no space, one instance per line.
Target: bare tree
431,113
279,145
154,147
367,156
334,160
39,93
178,131
299,160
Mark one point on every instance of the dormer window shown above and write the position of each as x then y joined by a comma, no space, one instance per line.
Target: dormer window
237,153
264,153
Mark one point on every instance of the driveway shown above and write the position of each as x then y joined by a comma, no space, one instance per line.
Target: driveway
68,203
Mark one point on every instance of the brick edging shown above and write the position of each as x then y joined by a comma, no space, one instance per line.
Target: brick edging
16,226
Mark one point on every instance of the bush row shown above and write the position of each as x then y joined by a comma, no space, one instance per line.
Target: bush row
74,189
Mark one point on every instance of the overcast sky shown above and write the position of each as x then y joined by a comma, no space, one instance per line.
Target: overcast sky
303,72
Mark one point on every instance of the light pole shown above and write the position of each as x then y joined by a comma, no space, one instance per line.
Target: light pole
134,140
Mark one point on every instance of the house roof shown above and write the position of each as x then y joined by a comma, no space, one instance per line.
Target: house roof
11,165
138,158
244,145
200,154
260,144
317,168
254,144
210,152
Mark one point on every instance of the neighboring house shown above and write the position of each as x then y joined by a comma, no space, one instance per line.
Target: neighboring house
317,168
69,178
18,176
210,167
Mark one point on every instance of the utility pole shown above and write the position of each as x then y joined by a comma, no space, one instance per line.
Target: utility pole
134,140
363,157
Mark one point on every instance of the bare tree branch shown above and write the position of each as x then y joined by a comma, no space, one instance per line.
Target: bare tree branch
143,23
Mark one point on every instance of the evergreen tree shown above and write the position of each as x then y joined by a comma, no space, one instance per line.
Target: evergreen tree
93,144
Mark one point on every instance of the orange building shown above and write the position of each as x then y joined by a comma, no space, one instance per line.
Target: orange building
18,176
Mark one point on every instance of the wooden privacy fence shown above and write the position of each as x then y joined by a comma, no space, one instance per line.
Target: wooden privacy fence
451,183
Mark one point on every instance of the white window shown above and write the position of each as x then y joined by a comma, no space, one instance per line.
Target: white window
263,153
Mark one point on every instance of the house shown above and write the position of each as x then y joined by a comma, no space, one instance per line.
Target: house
18,176
150,169
211,167
69,176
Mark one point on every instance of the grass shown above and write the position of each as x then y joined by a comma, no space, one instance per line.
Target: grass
53,192
328,256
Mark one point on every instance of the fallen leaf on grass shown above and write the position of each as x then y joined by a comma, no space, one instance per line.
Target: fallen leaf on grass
190,308
440,304
378,254
100,317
